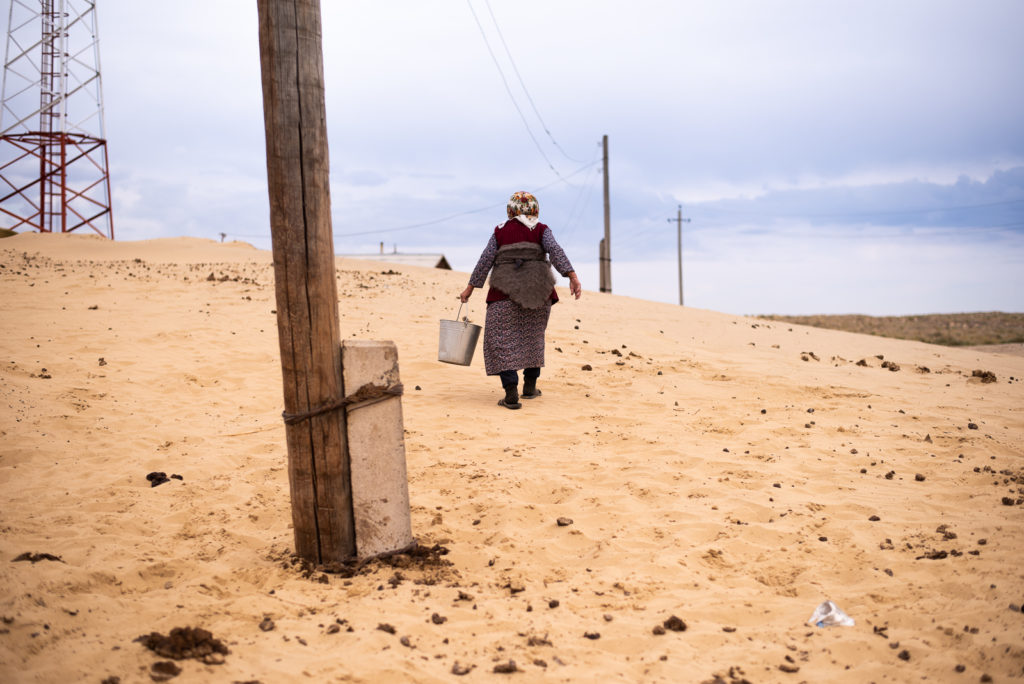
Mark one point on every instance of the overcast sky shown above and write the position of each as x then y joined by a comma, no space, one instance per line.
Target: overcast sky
833,157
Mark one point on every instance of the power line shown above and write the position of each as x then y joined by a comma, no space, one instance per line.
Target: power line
588,185
463,213
642,233
580,203
523,85
444,218
509,91
420,225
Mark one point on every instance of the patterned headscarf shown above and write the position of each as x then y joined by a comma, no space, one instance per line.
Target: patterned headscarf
524,207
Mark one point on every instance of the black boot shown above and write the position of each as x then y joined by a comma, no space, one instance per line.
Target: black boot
530,388
511,400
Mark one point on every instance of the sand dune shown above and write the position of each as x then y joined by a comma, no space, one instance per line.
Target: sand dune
726,471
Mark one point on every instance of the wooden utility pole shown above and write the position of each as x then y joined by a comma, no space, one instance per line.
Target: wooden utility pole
291,57
679,243
606,243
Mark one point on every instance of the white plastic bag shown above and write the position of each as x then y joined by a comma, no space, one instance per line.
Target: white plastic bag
829,614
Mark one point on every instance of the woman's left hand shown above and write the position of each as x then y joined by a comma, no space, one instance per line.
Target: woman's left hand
464,296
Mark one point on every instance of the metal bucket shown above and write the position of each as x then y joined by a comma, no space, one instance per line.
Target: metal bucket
457,341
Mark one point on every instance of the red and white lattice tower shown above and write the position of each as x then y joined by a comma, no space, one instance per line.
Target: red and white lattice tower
53,147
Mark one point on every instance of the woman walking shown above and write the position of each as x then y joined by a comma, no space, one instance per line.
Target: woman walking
520,298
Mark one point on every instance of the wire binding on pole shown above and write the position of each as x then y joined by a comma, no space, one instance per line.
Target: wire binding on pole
365,396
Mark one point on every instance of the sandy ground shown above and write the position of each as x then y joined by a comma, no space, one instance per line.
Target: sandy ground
727,472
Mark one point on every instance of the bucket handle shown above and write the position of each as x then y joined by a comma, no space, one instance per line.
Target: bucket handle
458,316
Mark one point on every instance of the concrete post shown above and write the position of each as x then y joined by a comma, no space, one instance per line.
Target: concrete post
376,439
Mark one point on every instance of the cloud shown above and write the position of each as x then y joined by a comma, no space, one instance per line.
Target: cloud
997,201
811,123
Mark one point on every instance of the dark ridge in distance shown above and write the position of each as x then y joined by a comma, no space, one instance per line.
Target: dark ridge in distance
951,330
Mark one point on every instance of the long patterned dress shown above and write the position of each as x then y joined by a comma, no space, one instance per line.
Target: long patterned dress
513,335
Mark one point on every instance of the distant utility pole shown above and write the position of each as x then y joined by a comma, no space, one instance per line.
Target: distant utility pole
606,243
679,242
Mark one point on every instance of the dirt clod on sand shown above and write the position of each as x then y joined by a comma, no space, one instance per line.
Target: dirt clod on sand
36,557
163,670
459,669
184,642
675,624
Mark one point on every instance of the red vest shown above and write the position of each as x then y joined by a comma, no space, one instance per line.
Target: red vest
511,232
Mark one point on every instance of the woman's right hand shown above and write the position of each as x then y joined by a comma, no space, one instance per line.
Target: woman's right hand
574,285
464,296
